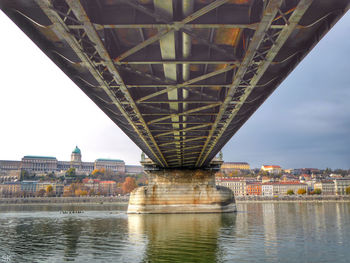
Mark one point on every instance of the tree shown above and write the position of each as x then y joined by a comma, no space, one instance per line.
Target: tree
98,172
49,189
317,191
70,172
328,171
41,193
80,192
301,191
347,190
290,192
219,174
129,185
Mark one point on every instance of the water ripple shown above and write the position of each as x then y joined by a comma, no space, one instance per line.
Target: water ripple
257,233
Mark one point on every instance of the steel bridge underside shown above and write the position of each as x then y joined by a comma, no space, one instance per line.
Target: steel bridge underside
178,77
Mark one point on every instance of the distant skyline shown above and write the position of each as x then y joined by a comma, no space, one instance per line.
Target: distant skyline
304,123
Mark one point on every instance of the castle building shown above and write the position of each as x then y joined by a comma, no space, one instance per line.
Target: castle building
47,164
76,156
39,164
229,167
272,169
113,165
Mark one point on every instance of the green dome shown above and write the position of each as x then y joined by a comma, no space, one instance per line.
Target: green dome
76,150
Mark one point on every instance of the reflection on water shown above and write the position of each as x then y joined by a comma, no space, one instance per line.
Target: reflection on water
257,233
179,238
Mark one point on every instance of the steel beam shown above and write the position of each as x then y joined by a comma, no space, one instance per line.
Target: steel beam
182,130
61,27
269,14
212,62
294,19
169,85
194,80
168,26
184,113
183,154
183,149
187,140
178,102
177,26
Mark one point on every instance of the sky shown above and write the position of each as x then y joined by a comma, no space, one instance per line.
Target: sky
304,123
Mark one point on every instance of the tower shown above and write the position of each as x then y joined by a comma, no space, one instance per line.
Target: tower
76,156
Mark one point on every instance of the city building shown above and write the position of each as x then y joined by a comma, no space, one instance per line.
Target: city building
267,189
10,188
281,188
10,175
309,171
253,188
133,169
108,187
7,165
91,184
113,165
57,188
230,167
326,186
236,184
29,186
41,165
272,169
341,184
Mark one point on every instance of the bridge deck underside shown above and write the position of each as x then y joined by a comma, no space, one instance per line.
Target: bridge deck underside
178,77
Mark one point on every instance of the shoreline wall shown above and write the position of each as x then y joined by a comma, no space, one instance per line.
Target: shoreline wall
65,200
295,198
125,199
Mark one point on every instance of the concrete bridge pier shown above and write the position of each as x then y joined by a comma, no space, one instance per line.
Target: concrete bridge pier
181,191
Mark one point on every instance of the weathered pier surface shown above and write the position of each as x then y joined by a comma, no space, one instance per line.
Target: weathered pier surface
181,191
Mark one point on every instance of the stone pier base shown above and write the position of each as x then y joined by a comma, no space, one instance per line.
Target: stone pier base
181,191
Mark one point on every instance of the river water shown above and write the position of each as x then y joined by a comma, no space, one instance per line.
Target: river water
282,232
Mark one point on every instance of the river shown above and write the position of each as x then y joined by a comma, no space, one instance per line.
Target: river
258,232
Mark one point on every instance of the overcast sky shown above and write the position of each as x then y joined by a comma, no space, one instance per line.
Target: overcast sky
304,123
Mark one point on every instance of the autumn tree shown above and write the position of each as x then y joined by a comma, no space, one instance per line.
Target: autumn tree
129,185
219,174
317,191
290,192
49,189
98,172
347,190
301,191
80,192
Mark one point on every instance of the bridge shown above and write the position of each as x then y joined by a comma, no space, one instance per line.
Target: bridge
179,77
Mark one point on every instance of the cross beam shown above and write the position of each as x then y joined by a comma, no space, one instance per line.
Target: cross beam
258,37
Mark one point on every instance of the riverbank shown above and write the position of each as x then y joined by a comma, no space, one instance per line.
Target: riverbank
293,198
125,199
66,200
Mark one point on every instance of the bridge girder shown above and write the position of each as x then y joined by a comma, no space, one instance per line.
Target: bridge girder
178,77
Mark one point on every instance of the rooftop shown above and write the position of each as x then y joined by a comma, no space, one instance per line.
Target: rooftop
236,163
107,182
108,160
271,166
76,150
39,157
284,183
